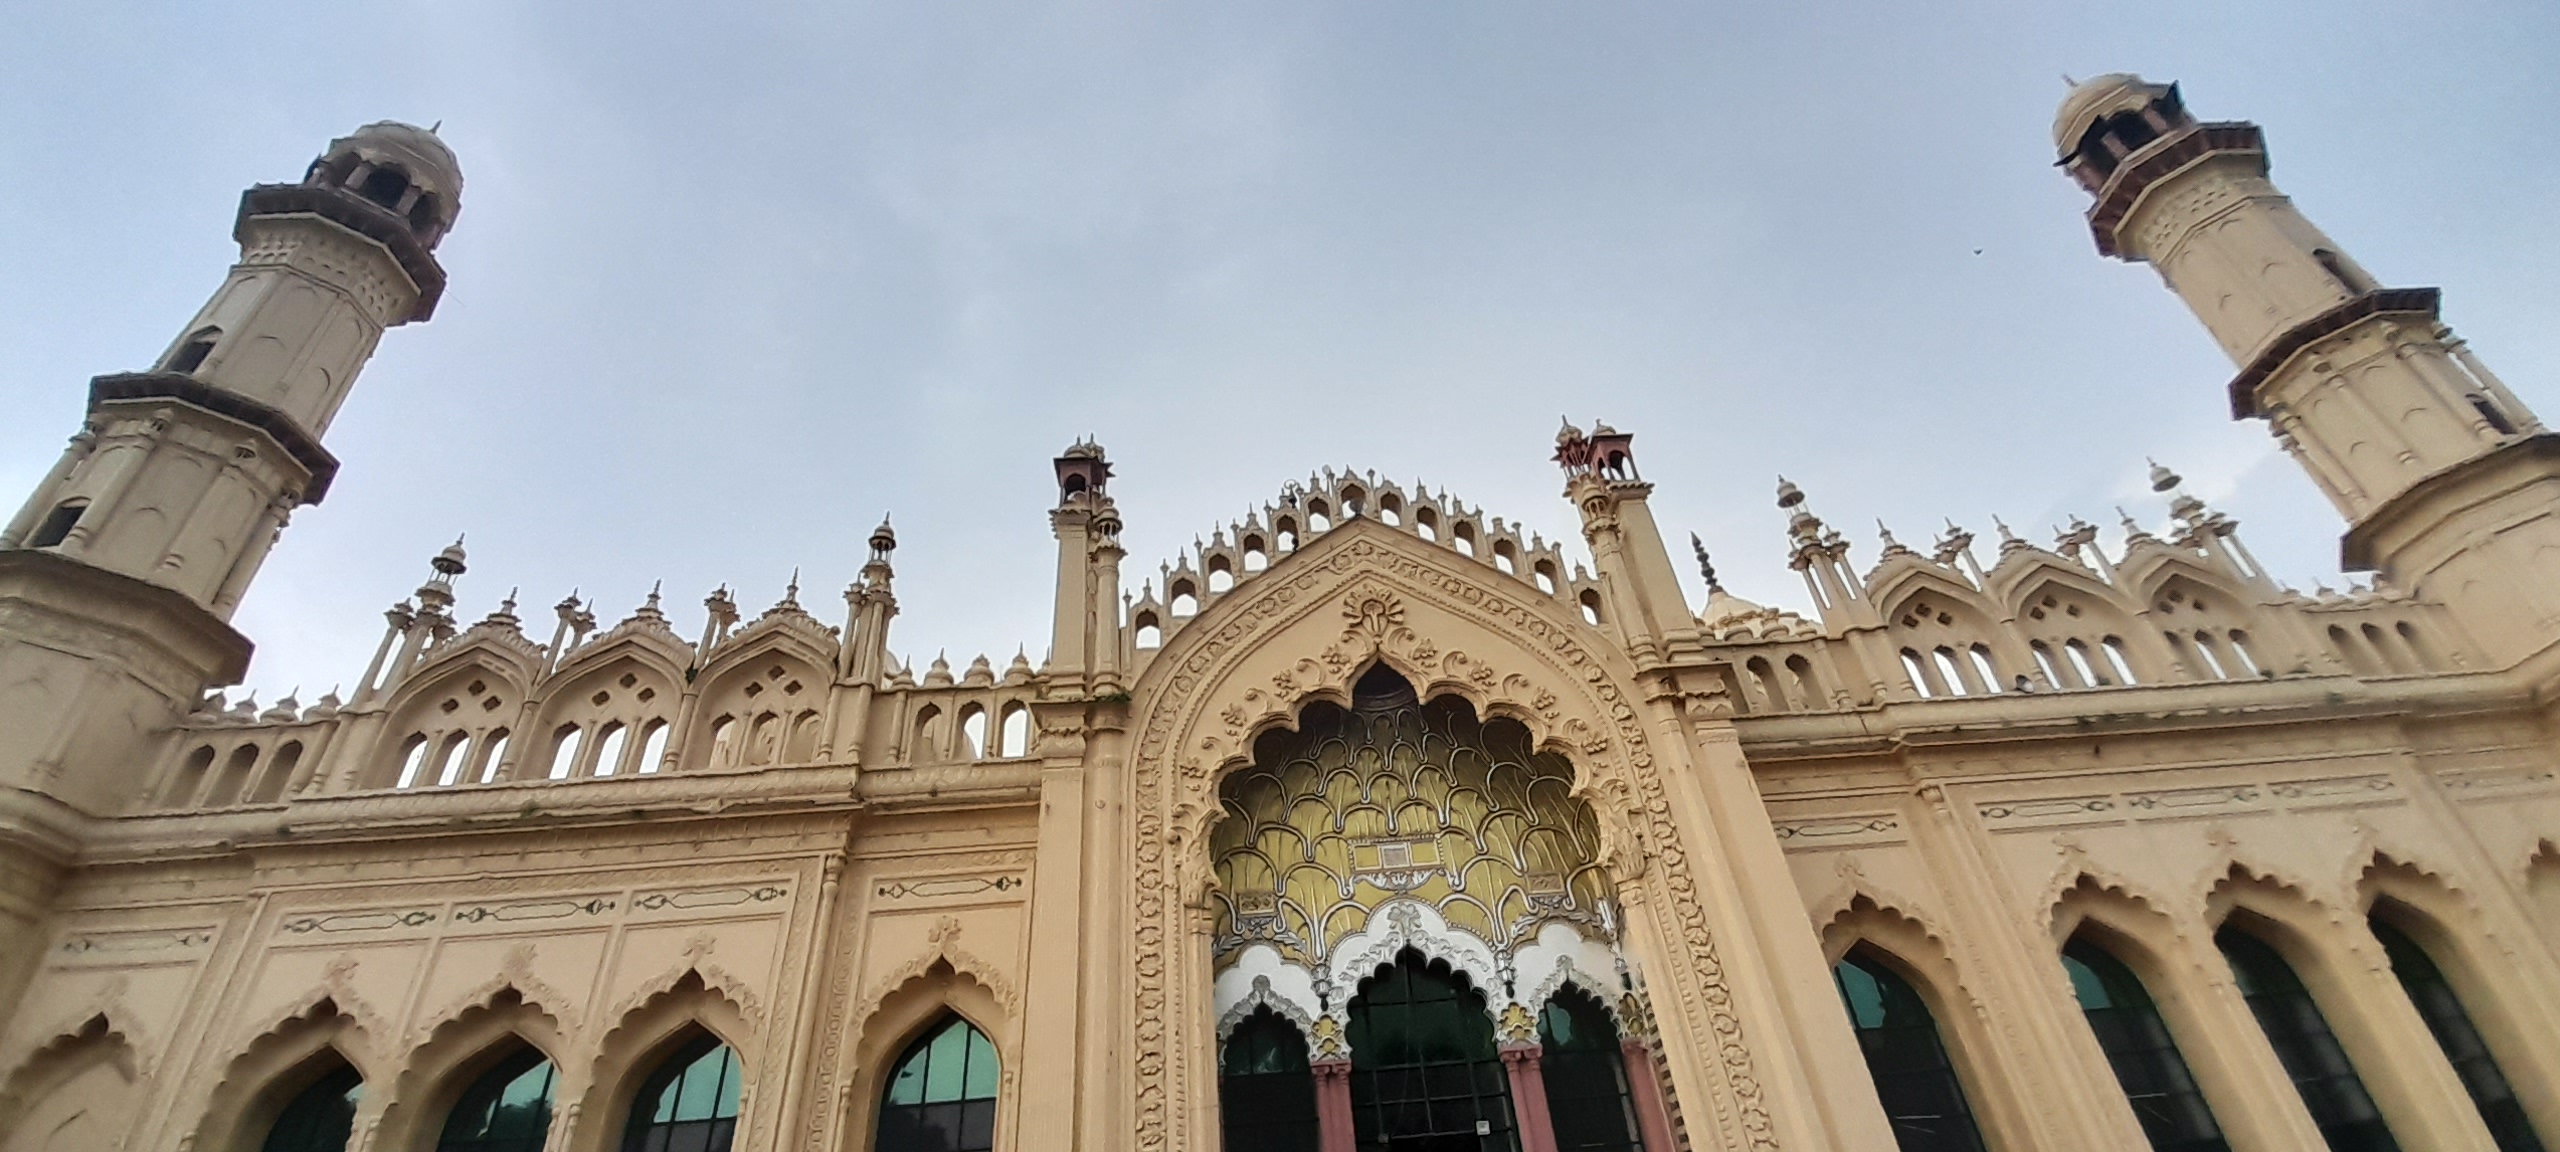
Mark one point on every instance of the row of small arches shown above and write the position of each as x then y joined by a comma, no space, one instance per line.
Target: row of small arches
195,783
939,1097
2371,650
934,734
1947,671
1921,1082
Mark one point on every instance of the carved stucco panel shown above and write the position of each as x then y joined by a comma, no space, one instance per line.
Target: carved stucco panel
1305,631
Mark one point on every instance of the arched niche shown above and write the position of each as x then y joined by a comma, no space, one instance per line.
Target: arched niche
918,1003
645,1038
1399,802
78,1091
275,1068
777,679
455,1055
471,696
1365,594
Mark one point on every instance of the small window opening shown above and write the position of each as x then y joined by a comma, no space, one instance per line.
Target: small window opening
58,524
2044,662
2114,649
973,733
2498,421
413,760
2240,652
495,758
1919,677
2078,654
609,749
1015,732
564,752
1808,688
383,186
653,747
190,355
456,753
1591,607
1982,664
1948,672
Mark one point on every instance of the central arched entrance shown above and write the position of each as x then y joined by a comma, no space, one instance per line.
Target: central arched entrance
1410,886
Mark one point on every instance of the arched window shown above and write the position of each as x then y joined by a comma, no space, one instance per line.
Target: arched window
942,1093
2044,662
1919,676
1982,665
2303,1043
2442,1010
1266,1099
1947,670
1914,1079
1591,606
2240,651
1770,686
279,774
2114,649
653,746
2078,653
564,752
1423,1065
1014,735
1808,688
724,739
508,1109
609,749
456,750
973,732
690,1104
413,760
493,757
1586,1075
321,1117
2154,1076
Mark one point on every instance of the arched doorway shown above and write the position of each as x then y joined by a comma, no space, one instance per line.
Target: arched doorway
1426,1075
1404,876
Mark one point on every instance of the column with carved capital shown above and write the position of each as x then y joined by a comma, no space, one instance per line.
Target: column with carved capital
1653,1117
1529,1097
1333,1105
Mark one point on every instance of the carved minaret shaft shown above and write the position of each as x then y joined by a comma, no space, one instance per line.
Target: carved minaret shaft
119,574
2428,455
1084,639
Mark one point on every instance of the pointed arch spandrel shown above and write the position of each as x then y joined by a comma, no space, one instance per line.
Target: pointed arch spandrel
1366,594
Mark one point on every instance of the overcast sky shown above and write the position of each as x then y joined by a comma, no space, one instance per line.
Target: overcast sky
730,281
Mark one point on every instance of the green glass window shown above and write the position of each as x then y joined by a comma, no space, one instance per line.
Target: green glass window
1585,1073
508,1109
1266,1099
690,1104
1913,1076
2445,1017
1424,1070
2156,1082
942,1093
321,1117
2304,1044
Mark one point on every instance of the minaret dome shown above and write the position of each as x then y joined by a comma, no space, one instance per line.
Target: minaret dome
401,168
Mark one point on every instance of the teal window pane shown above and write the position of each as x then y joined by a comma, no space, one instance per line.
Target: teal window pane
698,1090
1864,996
982,1068
728,1105
946,1062
2086,985
906,1086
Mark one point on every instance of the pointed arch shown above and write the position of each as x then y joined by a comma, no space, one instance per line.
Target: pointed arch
77,1091
1883,933
1364,593
2467,967
645,1036
457,1052
918,1002
277,1067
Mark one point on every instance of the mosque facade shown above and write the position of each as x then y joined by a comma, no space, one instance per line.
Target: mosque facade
1370,825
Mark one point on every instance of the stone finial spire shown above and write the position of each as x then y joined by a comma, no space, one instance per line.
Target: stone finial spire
1706,567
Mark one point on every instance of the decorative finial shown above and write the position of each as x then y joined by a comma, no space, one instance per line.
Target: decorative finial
1789,495
1706,567
654,587
791,591
2162,479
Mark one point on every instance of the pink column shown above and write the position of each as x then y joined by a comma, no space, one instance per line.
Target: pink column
1529,1097
1646,1086
1333,1105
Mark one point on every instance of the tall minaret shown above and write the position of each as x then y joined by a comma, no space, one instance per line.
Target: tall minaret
2434,463
118,577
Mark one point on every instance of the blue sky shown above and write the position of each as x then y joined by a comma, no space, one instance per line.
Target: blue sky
732,281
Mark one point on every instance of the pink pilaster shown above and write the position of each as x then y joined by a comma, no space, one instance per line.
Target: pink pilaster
1333,1105
1529,1097
1651,1115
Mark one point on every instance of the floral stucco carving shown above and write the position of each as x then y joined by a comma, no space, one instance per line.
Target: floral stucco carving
1200,717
